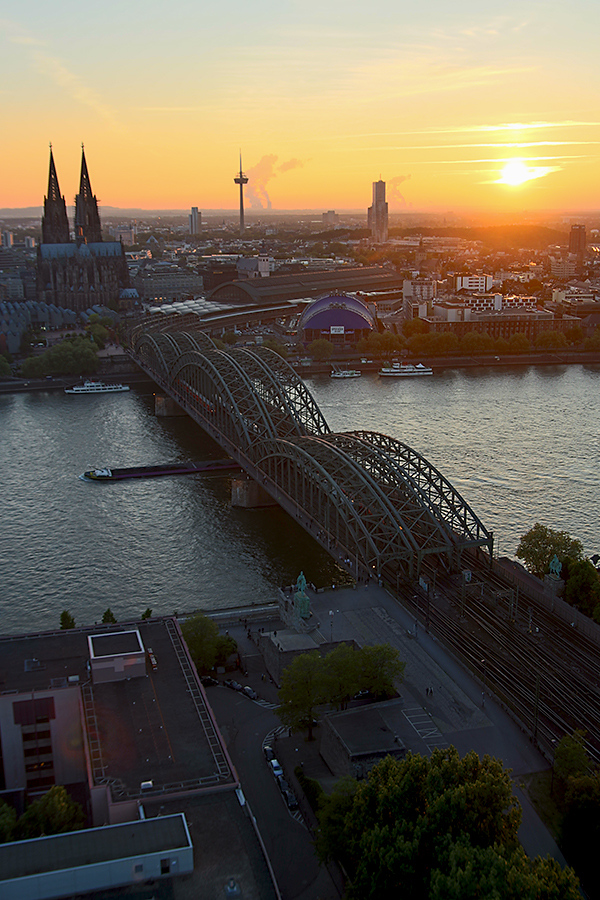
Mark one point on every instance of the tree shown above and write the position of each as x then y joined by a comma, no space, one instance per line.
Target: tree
541,544
54,813
504,874
207,647
341,675
66,620
550,340
396,831
519,343
320,349
301,691
580,828
570,756
380,668
73,356
276,347
109,617
8,821
147,614
582,588
4,366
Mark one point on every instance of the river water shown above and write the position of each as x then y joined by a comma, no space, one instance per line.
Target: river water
520,444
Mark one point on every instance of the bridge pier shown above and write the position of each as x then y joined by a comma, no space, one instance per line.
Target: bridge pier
248,494
166,406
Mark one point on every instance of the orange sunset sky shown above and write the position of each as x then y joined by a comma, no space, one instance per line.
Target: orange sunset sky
455,105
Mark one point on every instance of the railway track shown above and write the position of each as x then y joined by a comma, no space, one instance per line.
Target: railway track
542,670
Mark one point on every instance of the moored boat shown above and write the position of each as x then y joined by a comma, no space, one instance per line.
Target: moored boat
96,387
405,370
336,372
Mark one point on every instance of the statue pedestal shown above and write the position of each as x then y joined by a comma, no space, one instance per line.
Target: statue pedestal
553,587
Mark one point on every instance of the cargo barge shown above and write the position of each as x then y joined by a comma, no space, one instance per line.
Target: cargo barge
110,474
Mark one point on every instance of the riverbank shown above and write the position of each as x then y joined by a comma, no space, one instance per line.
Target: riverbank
127,372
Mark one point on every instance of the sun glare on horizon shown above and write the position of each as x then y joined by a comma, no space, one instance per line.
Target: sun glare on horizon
516,172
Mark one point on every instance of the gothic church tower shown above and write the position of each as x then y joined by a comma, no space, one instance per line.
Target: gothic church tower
87,217
55,223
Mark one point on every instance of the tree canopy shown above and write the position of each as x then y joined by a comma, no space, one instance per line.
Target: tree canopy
540,544
443,828
312,680
54,813
207,647
73,356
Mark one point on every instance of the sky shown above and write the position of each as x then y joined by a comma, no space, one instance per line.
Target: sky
455,105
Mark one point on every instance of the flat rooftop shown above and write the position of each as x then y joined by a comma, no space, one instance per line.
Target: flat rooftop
89,846
156,728
116,644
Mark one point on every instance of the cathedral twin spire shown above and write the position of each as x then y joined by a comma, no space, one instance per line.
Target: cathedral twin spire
55,224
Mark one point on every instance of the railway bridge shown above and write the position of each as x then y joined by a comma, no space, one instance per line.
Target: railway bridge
373,502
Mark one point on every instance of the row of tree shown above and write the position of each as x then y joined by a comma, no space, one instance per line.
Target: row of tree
442,828
312,682
538,547
418,342
67,621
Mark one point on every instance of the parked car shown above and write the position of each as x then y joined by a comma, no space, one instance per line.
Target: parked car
276,768
249,692
208,680
234,685
283,785
290,799
269,753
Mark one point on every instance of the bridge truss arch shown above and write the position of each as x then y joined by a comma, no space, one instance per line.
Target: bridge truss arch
372,500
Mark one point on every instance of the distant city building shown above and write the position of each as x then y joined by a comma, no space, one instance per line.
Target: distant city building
479,284
195,219
127,234
577,239
84,272
377,216
7,239
330,218
563,267
255,266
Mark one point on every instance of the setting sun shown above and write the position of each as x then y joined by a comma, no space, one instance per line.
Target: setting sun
515,172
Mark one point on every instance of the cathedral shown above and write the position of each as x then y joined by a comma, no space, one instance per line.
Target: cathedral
83,271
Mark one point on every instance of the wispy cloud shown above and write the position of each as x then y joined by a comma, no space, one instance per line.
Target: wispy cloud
54,68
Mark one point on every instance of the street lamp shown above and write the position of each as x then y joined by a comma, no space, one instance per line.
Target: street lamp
483,680
331,626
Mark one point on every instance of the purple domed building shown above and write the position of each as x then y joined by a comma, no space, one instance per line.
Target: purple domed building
339,318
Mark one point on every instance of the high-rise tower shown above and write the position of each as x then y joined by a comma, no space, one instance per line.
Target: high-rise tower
87,218
377,215
55,223
241,180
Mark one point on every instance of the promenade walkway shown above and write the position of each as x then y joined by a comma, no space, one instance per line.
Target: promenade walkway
441,704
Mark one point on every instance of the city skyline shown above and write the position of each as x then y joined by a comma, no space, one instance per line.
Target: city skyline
458,107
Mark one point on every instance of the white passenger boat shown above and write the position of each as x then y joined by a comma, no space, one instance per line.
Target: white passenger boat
401,370
345,373
96,387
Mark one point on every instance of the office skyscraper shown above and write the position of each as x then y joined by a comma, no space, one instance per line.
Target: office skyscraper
377,216
195,219
577,239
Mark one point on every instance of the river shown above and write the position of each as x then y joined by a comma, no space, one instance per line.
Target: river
520,444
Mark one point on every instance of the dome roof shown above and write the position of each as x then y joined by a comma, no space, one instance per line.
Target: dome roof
337,309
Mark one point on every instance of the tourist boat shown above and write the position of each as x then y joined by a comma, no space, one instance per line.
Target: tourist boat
345,373
402,370
96,387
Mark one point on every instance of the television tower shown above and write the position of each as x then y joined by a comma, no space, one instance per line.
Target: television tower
241,180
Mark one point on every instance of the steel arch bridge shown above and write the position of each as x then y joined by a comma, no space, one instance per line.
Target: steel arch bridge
374,502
